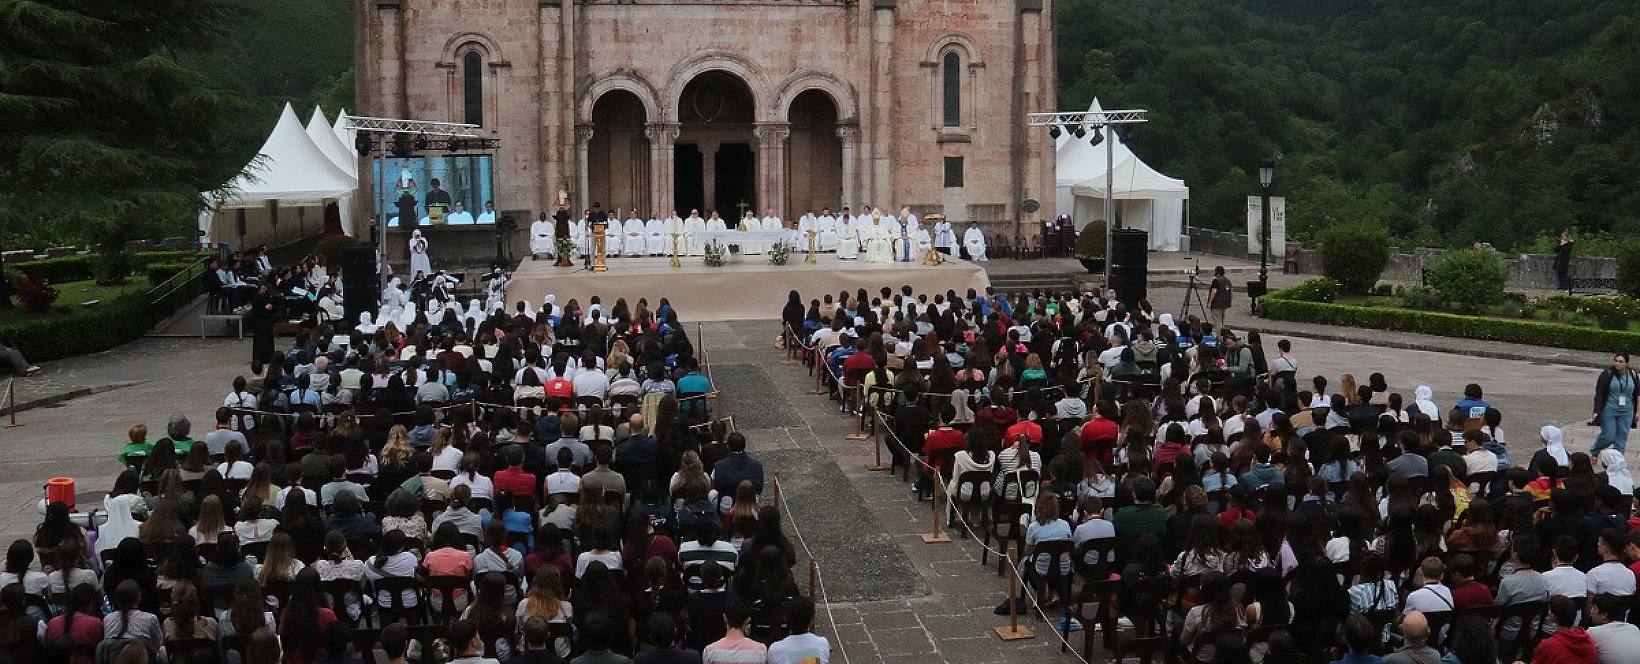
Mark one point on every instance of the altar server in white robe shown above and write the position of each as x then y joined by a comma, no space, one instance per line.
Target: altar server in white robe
945,239
826,224
773,222
488,215
420,264
879,239
578,233
633,240
691,227
612,234
848,238
654,231
542,242
974,241
750,223
673,224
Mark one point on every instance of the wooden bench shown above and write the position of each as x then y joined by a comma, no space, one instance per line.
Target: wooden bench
235,319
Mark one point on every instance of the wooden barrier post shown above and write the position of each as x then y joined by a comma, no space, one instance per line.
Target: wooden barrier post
777,502
868,413
814,577
877,445
937,537
1013,631
11,399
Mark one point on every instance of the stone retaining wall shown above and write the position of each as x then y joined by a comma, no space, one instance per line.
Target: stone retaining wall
1529,271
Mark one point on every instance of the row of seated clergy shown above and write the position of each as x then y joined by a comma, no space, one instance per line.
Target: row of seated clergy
846,235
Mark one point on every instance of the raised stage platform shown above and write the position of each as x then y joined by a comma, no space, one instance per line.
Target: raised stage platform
747,288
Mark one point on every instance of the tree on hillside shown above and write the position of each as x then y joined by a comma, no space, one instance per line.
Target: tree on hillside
109,135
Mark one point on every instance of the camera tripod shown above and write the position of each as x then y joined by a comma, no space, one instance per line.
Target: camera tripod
1193,293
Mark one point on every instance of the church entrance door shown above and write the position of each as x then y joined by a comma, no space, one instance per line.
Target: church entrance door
715,166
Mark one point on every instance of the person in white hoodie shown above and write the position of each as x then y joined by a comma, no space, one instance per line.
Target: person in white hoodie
1617,471
1423,401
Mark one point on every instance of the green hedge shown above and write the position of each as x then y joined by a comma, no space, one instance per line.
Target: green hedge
81,267
50,337
1281,305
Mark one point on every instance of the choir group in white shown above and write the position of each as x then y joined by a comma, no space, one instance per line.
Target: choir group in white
873,235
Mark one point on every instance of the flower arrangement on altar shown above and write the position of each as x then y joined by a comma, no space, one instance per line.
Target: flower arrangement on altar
780,253
566,246
716,255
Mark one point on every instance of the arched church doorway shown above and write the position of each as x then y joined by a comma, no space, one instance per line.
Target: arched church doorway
716,168
618,154
814,157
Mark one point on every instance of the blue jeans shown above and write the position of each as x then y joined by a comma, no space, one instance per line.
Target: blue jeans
1614,430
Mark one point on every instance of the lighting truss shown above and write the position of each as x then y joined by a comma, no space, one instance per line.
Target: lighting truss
1089,119
427,127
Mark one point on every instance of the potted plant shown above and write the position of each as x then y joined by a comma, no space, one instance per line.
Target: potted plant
1090,246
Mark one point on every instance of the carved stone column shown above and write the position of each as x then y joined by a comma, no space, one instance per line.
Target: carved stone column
708,177
771,166
583,191
662,137
850,135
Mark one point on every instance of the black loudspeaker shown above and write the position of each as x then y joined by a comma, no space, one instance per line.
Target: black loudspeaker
1129,264
359,291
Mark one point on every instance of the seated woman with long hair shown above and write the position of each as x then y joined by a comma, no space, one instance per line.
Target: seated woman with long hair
449,557
304,620
1215,612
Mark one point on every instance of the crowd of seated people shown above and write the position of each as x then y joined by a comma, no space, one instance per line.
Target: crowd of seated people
308,289
1185,480
340,507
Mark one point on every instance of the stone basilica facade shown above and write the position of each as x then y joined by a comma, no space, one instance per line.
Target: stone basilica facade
731,104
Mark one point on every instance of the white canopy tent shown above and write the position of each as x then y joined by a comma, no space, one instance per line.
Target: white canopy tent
324,136
281,197
1145,199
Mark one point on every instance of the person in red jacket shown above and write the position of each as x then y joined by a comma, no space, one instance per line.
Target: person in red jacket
941,445
1098,436
1030,430
1569,644
1467,593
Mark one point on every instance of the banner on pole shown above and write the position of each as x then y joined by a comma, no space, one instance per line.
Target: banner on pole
1278,226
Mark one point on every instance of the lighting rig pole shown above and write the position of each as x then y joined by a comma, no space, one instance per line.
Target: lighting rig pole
1079,124
383,128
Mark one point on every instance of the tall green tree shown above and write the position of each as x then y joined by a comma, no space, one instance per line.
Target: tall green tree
109,134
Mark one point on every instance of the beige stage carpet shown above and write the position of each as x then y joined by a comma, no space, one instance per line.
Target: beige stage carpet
747,288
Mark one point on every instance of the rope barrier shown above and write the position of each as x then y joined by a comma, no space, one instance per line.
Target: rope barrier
816,578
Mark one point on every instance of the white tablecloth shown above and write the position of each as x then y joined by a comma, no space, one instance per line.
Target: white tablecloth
763,237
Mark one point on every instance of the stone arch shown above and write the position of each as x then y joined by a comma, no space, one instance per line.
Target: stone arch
717,60
459,42
620,79
965,46
841,93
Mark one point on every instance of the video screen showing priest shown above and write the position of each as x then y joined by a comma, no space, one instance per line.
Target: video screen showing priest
455,189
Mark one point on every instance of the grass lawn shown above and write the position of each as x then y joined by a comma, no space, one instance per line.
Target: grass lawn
1544,315
72,294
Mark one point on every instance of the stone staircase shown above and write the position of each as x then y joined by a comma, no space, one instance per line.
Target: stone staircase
1047,280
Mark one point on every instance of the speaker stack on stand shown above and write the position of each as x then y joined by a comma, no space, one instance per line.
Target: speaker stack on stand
1129,264
359,290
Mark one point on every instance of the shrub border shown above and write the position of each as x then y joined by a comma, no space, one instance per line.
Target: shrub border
97,329
1280,305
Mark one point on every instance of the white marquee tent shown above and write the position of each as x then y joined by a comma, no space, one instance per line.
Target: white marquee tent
282,196
1145,199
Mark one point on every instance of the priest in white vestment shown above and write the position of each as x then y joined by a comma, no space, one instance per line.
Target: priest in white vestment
974,241
612,234
488,215
848,239
772,222
542,242
654,231
633,240
749,223
826,224
458,216
879,239
716,223
694,224
805,225
673,225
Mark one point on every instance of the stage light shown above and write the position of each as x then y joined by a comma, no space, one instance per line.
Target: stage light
421,142
1053,131
455,145
1098,137
1080,131
361,143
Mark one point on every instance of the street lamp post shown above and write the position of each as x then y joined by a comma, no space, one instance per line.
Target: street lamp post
1266,173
